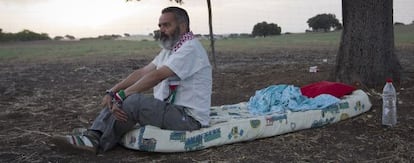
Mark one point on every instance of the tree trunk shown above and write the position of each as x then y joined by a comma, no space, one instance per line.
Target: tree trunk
366,53
210,23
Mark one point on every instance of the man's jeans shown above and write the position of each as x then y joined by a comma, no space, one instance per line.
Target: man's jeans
144,110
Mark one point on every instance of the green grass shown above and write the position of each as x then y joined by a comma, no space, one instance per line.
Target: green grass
301,40
52,50
404,35
75,49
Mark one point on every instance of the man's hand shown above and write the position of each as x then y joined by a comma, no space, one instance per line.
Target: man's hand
119,114
107,101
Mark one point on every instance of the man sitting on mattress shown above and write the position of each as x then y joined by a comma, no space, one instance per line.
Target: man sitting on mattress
181,78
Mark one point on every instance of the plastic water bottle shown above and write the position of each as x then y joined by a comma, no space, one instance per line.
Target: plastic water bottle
389,105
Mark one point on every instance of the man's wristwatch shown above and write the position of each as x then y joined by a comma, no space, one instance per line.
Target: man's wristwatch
110,93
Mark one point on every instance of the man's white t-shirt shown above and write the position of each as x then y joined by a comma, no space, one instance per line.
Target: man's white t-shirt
193,72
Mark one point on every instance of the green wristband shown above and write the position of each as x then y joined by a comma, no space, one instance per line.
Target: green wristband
122,95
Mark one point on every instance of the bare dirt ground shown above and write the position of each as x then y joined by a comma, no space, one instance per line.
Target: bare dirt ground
39,99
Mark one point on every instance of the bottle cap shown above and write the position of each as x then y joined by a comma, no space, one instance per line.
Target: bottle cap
389,80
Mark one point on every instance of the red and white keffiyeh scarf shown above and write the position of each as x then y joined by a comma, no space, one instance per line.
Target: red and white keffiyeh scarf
187,36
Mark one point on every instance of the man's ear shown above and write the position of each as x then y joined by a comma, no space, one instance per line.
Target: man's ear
183,27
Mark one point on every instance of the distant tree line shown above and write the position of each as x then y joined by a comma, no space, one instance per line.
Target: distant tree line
25,35
68,37
105,37
264,29
324,22
321,22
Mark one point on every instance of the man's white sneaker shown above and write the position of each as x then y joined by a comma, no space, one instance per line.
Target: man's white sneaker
86,142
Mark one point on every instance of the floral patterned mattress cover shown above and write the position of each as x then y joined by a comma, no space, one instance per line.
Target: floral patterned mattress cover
234,123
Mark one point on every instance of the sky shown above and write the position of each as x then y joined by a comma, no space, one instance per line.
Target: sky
91,18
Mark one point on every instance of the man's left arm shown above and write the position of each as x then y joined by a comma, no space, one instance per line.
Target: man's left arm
149,80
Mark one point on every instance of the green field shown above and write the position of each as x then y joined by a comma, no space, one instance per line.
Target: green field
52,50
74,49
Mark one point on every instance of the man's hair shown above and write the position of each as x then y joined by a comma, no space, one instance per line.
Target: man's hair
180,14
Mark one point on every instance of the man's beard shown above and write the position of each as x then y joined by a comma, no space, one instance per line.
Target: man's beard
168,42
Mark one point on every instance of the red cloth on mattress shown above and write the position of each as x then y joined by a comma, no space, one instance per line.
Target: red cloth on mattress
325,87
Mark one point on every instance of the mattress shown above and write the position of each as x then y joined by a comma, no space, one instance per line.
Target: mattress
234,123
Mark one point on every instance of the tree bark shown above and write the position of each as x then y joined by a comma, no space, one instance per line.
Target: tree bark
366,53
